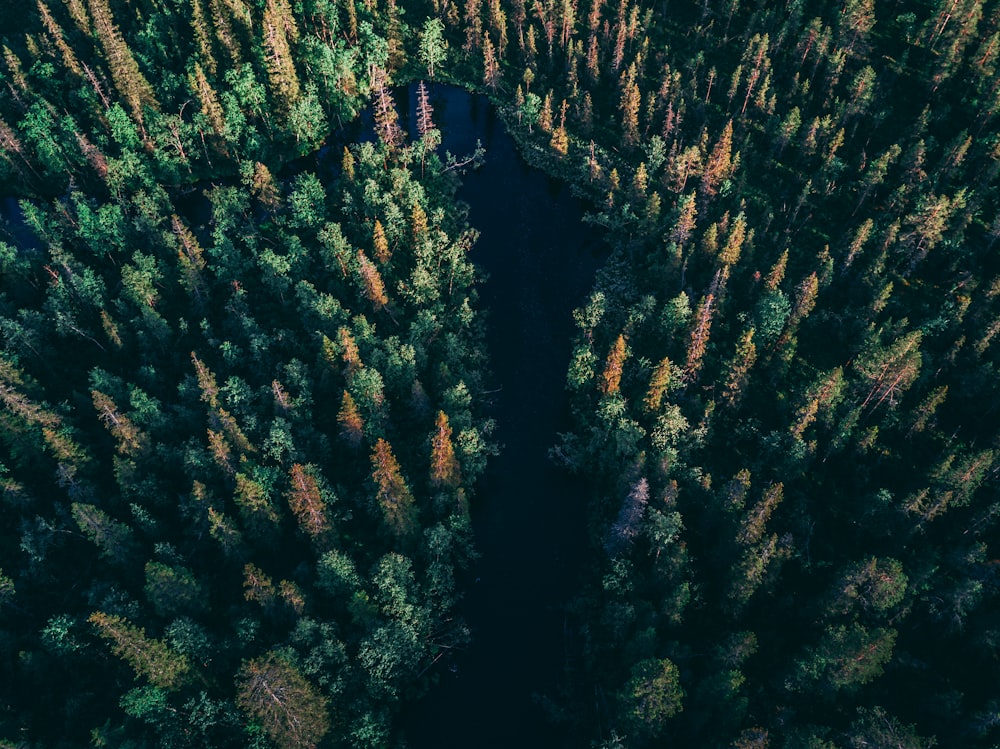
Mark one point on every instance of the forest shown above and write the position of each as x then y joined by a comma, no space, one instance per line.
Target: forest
243,401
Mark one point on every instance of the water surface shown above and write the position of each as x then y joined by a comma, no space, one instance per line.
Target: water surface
528,515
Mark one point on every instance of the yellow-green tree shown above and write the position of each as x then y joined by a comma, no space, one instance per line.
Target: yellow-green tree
290,709
151,659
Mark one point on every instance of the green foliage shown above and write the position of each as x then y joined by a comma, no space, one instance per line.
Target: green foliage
652,695
802,291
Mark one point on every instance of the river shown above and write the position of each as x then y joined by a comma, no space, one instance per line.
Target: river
528,516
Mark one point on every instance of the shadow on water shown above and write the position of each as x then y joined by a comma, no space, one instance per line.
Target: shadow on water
528,516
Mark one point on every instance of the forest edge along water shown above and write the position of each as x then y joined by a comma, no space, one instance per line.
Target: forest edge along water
539,260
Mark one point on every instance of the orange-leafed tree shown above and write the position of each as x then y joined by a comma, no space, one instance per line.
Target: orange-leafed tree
392,493
445,470
306,500
351,423
371,281
611,377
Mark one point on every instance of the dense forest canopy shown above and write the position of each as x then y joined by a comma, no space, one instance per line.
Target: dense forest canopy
242,406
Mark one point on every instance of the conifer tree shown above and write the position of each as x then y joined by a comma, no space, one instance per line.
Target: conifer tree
491,68
290,709
700,331
208,100
278,26
444,465
433,46
351,423
151,659
307,502
371,280
392,493
739,368
425,112
130,439
128,79
115,539
611,377
720,165
386,117
659,382
58,38
380,244
349,353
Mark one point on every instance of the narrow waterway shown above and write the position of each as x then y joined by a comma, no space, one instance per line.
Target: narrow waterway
528,516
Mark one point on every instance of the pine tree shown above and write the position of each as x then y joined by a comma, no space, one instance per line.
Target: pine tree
130,439
392,493
611,377
208,100
738,235
115,540
203,36
720,165
258,586
433,48
545,114
699,337
371,281
277,26
386,117
687,212
629,105
276,695
306,501
380,244
347,164
491,68
425,112
351,423
444,466
151,659
659,383
739,367
58,38
349,353
128,79
191,260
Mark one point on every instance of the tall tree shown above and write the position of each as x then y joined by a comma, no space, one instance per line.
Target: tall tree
444,465
151,659
392,494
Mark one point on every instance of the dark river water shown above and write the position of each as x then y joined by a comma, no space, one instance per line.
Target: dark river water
528,516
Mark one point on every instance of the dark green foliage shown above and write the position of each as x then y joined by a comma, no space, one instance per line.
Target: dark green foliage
784,384
188,534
